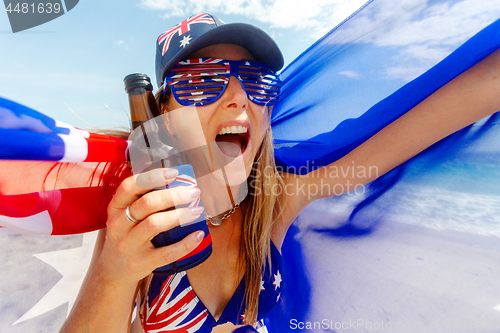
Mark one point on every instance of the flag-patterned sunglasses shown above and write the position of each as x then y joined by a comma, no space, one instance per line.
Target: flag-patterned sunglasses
198,82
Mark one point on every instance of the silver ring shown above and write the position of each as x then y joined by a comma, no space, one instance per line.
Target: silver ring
130,218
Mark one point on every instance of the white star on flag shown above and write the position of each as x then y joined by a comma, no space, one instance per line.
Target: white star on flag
261,285
247,63
185,40
277,281
72,264
243,317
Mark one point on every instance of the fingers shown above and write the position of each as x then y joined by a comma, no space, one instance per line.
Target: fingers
168,254
127,262
144,231
156,201
128,248
135,186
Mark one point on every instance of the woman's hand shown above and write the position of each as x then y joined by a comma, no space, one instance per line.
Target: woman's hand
128,254
124,254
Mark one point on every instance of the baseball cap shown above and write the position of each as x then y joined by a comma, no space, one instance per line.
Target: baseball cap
202,30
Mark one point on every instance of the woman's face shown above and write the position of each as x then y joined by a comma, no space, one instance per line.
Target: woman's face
233,108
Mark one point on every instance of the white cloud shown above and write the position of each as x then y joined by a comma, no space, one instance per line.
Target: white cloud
318,16
426,51
121,43
416,60
416,22
424,32
406,73
351,74
447,23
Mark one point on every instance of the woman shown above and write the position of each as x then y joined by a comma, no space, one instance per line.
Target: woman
124,256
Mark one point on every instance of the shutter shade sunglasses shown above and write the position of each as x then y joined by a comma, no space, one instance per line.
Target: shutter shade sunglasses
202,81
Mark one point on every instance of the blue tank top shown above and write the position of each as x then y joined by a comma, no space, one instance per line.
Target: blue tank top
171,303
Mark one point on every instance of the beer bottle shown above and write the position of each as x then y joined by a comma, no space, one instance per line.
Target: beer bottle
142,109
141,99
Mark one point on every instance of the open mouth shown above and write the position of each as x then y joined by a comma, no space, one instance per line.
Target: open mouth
233,140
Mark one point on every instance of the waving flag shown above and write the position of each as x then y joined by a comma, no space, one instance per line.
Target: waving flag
26,134
38,196
398,255
418,251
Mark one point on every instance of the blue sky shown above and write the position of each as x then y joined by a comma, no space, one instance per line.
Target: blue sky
72,67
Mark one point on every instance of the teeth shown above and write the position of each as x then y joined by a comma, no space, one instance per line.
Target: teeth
233,130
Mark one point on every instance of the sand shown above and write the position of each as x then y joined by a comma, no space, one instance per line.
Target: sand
402,278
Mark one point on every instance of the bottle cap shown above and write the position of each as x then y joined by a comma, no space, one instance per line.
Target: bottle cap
137,80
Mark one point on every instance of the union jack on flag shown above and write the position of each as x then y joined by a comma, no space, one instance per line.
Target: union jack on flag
49,171
182,28
173,304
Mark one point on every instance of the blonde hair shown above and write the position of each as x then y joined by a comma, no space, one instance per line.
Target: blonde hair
265,186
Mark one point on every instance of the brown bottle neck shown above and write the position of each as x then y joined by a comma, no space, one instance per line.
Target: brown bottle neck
142,106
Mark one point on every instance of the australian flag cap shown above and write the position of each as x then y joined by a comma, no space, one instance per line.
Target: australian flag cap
202,30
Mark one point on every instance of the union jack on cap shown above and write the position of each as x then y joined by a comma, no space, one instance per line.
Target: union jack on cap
182,28
202,30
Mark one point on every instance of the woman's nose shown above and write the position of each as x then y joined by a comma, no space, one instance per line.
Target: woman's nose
234,96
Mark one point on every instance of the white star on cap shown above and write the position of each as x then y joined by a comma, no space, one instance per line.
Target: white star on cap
185,41
277,281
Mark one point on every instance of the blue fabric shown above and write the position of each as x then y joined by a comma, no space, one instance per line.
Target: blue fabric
245,329
335,96
20,145
349,132
26,134
27,118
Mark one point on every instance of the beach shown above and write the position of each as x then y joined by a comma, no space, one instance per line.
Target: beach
400,278
424,266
